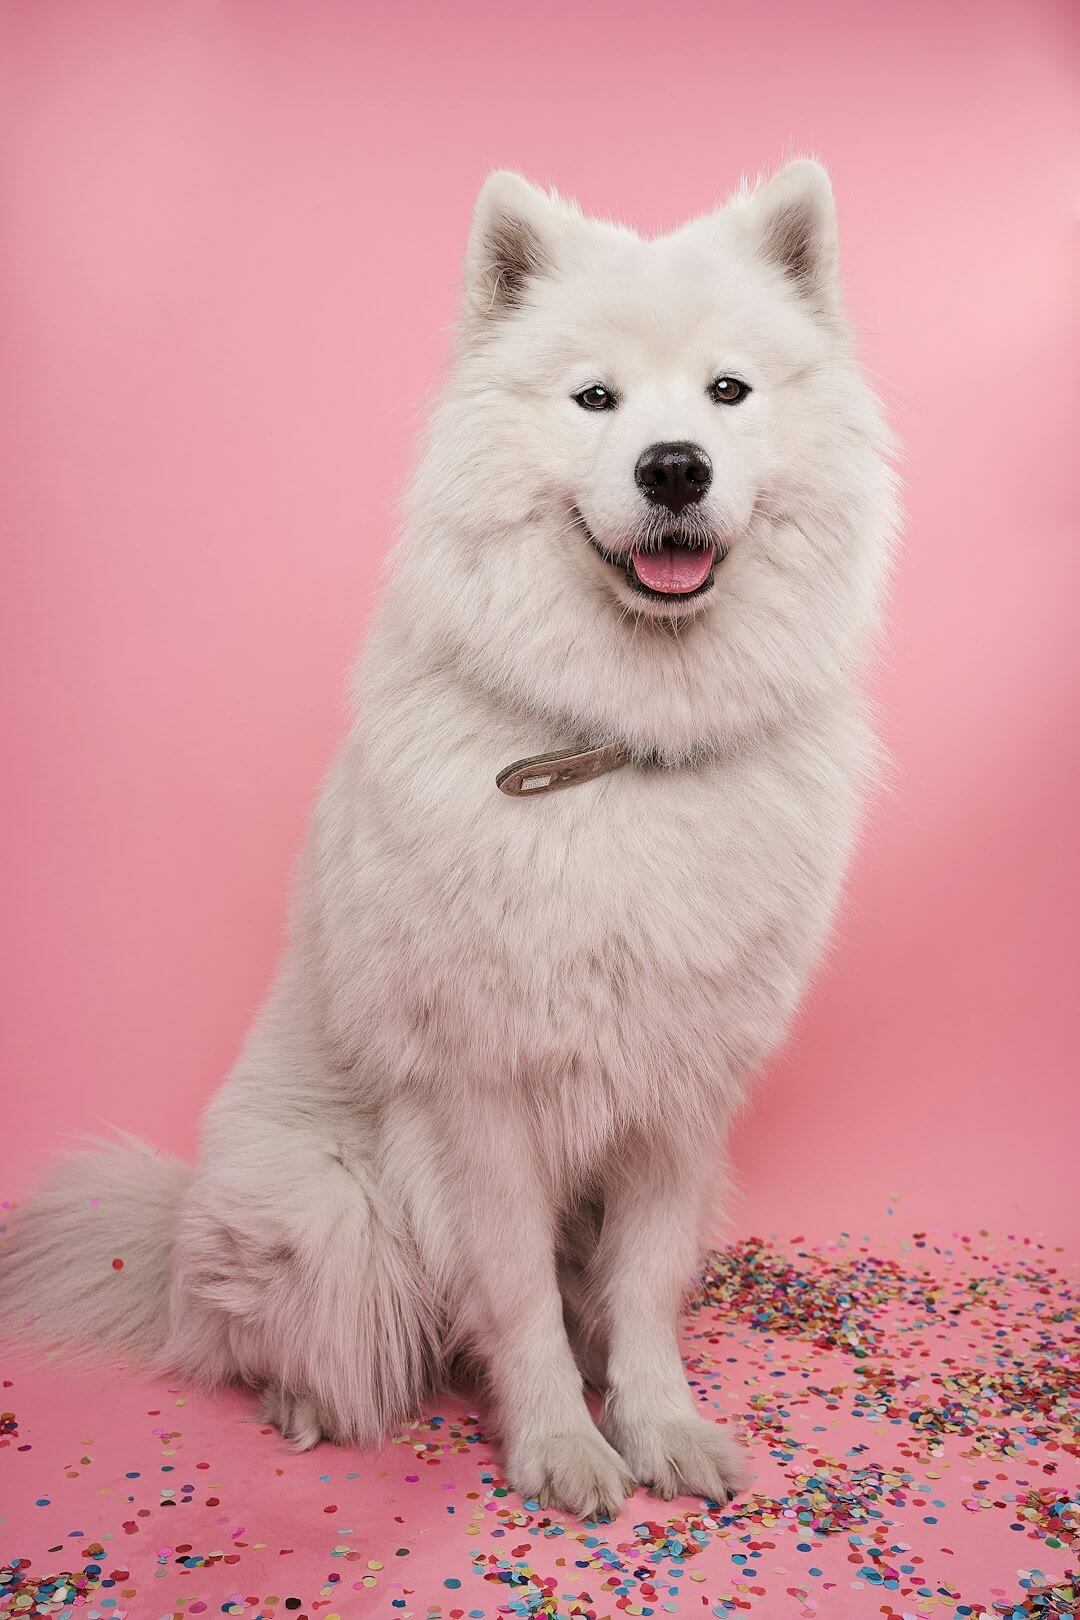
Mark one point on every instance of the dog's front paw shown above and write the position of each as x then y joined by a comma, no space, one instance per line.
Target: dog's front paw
577,1471
685,1455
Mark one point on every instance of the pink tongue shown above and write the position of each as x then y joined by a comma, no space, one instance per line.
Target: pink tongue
674,569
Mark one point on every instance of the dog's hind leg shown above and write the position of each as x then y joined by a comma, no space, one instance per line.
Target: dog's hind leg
293,1270
296,1417
293,1276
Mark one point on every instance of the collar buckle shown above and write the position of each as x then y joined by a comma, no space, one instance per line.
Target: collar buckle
546,773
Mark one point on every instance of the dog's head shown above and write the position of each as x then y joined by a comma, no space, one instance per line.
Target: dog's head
656,468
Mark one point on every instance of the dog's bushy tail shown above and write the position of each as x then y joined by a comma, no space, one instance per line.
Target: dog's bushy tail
84,1267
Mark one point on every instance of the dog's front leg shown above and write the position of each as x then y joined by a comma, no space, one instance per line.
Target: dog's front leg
643,1264
507,1294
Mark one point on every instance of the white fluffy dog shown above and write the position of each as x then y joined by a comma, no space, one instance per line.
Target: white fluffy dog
481,1117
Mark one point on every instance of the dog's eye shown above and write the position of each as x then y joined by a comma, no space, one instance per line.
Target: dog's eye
728,390
596,399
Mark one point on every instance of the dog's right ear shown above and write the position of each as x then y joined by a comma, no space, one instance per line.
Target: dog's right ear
514,242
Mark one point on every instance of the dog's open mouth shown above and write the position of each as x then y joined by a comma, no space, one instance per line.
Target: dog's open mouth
675,566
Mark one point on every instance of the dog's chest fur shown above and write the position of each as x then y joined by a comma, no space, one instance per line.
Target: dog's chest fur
619,950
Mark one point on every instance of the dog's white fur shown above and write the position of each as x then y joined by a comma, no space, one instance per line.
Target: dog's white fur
482,1115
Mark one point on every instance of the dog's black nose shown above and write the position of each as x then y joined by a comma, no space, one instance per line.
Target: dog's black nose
673,475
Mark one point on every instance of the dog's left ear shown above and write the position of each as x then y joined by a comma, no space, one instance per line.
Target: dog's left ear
515,240
792,222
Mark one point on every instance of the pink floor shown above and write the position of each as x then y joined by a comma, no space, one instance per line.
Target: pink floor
912,1423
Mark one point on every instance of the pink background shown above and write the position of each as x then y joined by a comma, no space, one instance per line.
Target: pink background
232,236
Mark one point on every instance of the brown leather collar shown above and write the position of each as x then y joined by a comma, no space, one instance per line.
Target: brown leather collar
546,773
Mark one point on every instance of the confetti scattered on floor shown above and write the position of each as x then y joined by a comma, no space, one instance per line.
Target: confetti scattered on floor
913,1421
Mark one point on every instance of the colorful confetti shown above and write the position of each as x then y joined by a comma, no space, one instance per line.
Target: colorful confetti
913,1422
